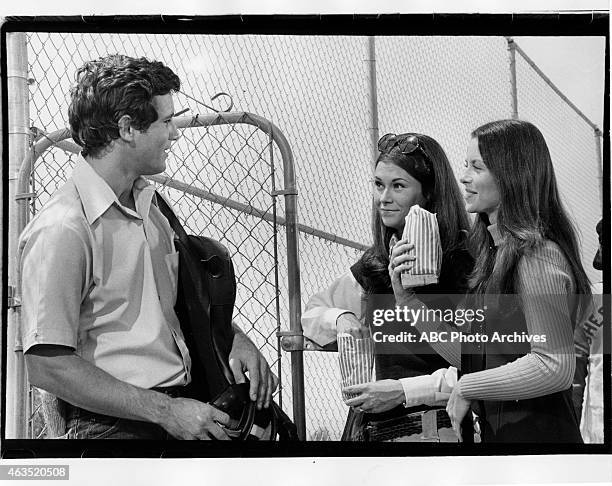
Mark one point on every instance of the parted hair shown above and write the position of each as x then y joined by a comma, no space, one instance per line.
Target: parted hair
530,209
110,87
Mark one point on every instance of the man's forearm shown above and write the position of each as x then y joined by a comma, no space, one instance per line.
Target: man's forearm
63,373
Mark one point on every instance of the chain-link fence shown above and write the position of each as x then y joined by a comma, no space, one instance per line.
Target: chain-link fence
572,141
317,90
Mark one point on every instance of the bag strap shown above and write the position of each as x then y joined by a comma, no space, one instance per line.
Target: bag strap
171,217
201,309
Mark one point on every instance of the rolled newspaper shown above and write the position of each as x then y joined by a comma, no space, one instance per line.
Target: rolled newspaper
421,229
356,358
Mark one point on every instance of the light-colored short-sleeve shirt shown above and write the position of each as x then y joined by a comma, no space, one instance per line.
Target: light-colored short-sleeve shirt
102,279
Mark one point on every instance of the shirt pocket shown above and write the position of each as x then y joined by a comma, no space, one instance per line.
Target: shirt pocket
172,263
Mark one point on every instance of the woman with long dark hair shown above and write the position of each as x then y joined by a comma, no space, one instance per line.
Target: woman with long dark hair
411,169
529,278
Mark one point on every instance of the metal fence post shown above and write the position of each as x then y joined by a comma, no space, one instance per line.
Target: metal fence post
513,90
18,111
373,129
295,304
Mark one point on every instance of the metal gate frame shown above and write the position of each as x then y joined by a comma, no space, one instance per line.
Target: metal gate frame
17,407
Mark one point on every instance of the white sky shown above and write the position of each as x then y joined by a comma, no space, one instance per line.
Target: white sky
575,65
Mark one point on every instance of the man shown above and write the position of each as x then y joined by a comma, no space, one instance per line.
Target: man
99,272
588,379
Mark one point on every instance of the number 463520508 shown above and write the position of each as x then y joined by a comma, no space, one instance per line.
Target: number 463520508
33,472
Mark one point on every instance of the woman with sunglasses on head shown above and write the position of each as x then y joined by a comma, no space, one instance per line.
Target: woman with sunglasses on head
412,169
529,276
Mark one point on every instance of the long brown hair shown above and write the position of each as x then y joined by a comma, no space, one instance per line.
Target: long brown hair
530,209
442,197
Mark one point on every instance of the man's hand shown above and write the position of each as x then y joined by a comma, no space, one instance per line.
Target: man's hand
190,419
376,396
245,356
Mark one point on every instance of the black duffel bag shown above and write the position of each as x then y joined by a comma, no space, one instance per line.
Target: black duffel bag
204,306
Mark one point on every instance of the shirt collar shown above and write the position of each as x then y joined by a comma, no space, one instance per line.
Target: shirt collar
495,234
97,196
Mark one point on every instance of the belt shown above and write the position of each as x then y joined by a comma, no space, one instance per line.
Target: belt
426,423
172,391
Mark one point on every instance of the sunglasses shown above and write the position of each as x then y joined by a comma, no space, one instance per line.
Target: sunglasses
406,143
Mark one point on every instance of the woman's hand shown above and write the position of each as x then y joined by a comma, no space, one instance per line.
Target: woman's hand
400,260
457,408
376,396
349,324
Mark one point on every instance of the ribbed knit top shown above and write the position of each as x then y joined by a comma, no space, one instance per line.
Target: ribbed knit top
546,288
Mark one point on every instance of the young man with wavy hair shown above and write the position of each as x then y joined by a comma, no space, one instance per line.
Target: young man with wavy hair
99,272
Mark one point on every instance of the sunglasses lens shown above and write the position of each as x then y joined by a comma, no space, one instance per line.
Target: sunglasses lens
386,142
409,144
407,147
